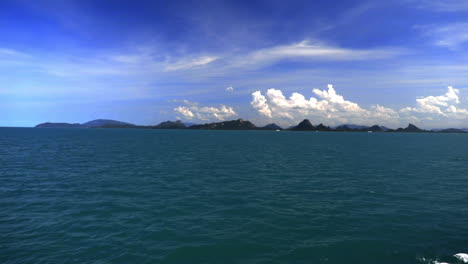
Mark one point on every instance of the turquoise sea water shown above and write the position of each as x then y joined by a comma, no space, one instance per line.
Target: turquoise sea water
174,196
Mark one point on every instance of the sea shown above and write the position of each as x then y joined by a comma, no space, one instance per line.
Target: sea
77,195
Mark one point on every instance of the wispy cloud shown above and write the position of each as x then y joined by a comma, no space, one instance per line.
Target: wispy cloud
12,53
185,64
74,64
441,5
303,51
140,62
315,51
113,63
129,58
452,36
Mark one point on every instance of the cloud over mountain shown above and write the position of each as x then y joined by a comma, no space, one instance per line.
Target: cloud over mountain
195,111
330,107
437,107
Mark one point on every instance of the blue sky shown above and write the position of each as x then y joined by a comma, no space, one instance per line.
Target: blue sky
145,62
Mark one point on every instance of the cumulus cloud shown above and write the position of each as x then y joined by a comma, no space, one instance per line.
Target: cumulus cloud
336,99
190,63
184,111
259,102
230,89
332,108
195,111
439,106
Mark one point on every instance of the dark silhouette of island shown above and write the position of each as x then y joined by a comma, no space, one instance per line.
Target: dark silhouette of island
410,128
50,124
271,126
105,122
241,124
376,128
170,125
90,124
238,124
345,127
305,125
452,130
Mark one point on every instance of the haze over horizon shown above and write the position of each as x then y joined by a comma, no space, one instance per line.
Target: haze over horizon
143,62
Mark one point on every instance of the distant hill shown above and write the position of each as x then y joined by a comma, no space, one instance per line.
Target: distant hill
344,128
452,130
93,124
241,124
376,128
410,128
272,126
322,127
50,124
351,127
238,124
356,128
105,122
305,125
170,125
413,128
187,124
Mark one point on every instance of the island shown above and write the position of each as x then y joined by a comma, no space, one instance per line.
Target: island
240,124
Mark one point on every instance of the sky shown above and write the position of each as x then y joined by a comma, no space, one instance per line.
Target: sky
144,62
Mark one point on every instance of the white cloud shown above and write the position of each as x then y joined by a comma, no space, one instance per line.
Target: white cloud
338,100
190,63
442,5
443,105
332,108
12,53
72,65
306,50
205,113
382,113
451,36
184,111
259,102
230,89
130,59
303,51
145,61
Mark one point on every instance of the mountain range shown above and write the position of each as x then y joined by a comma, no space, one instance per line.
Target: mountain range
241,124
90,124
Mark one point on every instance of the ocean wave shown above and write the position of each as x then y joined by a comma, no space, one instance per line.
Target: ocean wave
462,256
430,261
